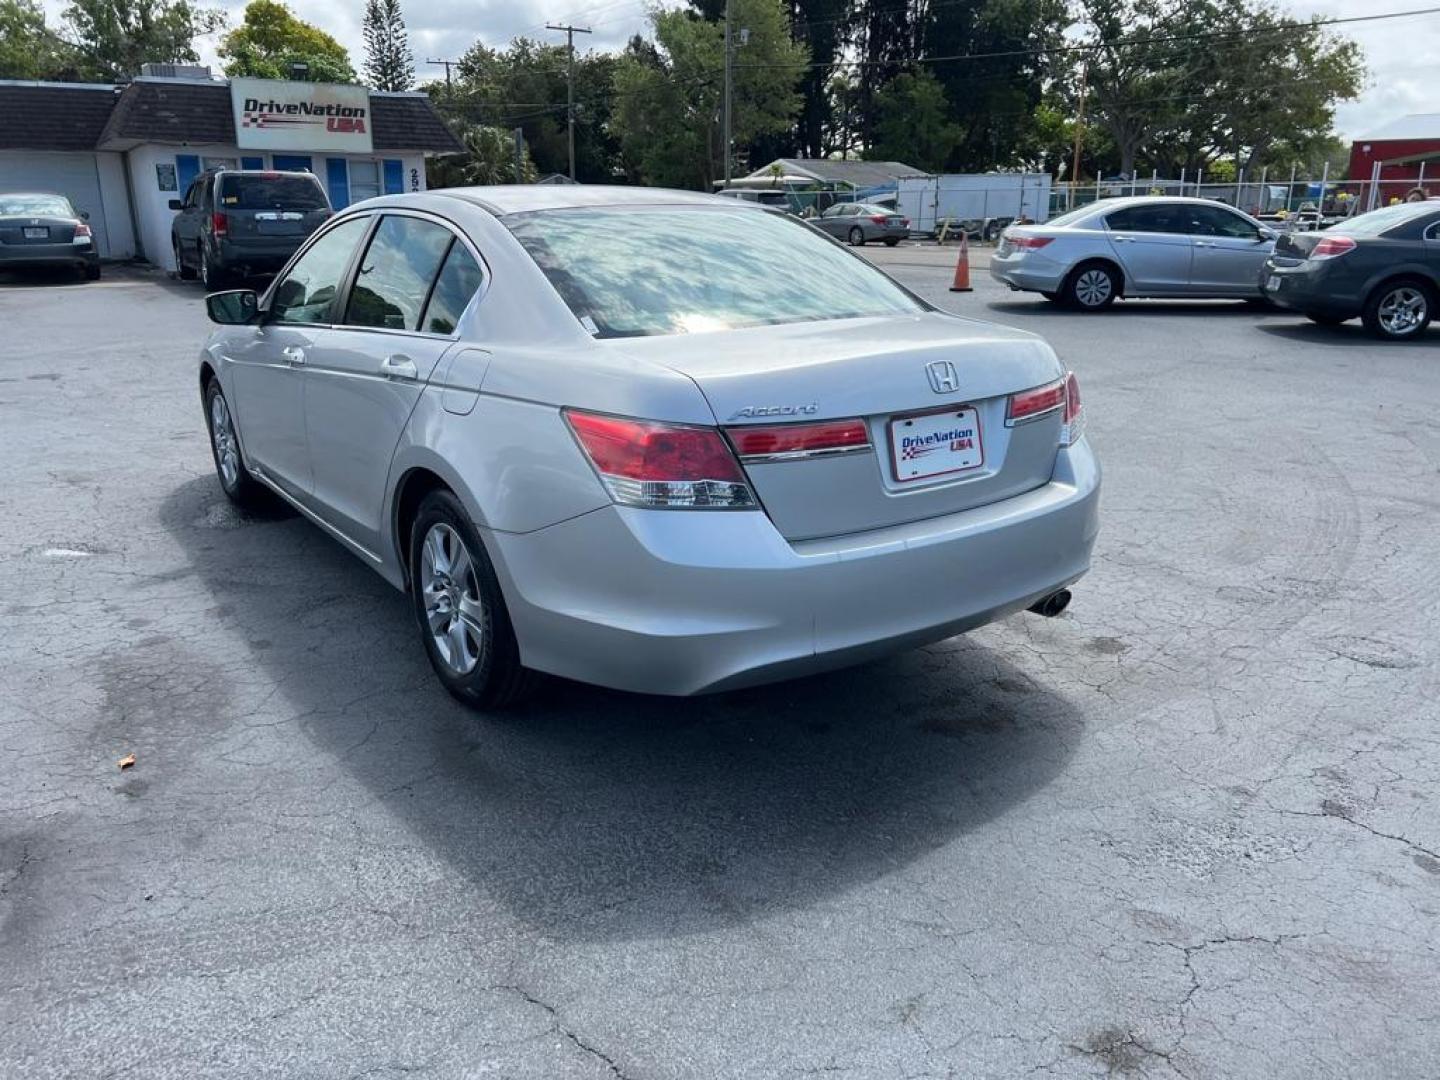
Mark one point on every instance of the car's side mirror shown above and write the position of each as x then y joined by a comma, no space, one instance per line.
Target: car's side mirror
84,215
176,204
234,307
1266,233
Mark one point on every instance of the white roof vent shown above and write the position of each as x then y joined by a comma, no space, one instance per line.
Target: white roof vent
198,72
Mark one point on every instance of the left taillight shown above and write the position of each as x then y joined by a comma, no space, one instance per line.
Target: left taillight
83,231
665,466
219,224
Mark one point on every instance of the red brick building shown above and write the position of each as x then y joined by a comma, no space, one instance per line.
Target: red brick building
1403,148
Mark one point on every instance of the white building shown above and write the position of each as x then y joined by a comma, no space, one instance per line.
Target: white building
121,153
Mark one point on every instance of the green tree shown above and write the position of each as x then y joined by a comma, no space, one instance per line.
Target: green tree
523,86
270,38
114,37
389,63
488,158
1184,83
668,101
912,123
29,49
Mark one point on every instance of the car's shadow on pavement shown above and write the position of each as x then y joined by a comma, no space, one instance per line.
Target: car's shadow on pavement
592,814
40,278
1121,308
1345,336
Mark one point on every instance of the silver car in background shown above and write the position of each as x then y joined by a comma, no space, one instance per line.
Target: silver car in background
1137,247
859,223
614,434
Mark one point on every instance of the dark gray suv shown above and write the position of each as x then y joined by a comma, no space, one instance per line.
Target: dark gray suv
241,222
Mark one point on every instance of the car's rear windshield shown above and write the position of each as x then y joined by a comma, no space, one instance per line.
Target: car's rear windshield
36,205
273,191
639,271
1383,220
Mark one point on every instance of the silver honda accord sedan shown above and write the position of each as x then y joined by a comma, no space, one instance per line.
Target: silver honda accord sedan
1142,246
647,439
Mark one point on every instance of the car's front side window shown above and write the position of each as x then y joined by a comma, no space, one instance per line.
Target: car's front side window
307,292
396,273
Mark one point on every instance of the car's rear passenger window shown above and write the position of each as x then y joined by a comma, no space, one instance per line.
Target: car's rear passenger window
459,280
396,273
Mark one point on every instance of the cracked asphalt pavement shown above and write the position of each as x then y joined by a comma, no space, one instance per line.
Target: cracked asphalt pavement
1188,829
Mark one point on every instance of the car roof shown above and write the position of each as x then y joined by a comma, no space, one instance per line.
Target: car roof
1141,200
504,199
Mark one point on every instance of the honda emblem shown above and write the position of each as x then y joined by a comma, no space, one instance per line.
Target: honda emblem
943,379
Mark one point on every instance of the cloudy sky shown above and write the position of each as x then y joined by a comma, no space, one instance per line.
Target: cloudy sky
1399,82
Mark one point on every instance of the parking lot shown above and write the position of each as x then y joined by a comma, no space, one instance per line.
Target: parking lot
1188,829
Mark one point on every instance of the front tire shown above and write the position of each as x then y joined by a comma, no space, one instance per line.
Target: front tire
183,272
464,623
1399,310
1090,287
857,237
239,486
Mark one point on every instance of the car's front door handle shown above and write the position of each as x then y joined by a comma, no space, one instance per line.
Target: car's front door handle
398,367
1203,243
1124,239
294,354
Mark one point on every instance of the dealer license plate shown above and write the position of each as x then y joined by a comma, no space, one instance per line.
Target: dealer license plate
1273,284
935,443
37,233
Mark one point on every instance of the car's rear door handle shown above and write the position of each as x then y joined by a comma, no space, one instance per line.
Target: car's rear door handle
1203,243
398,367
294,354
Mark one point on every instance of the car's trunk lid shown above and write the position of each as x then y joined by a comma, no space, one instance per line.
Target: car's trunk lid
943,375
23,229
1295,247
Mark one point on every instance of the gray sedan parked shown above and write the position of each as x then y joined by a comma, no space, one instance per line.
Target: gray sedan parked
38,229
613,434
859,223
1136,247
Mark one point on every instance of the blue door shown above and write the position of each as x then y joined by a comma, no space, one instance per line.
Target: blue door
291,162
337,182
252,163
394,177
187,167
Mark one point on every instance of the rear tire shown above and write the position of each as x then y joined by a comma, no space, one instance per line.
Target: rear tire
183,272
1399,310
460,610
211,275
239,486
857,237
1091,287
891,241
1324,320
1052,297
92,271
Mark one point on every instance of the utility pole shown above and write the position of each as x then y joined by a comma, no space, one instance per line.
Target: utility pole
1080,131
519,136
570,32
725,124
447,65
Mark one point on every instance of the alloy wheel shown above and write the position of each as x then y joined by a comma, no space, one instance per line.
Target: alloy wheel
450,591
222,432
1402,311
1093,288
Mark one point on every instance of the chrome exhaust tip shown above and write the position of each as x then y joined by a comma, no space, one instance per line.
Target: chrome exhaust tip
1052,605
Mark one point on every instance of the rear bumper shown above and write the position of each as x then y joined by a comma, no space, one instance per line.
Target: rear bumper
1311,289
48,255
258,254
677,602
1031,271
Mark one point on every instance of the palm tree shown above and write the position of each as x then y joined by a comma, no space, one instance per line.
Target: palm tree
488,158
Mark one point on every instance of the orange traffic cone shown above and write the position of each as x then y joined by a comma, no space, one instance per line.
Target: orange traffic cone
962,267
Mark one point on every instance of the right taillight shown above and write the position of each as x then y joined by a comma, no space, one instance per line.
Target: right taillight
666,466
1074,413
1331,246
